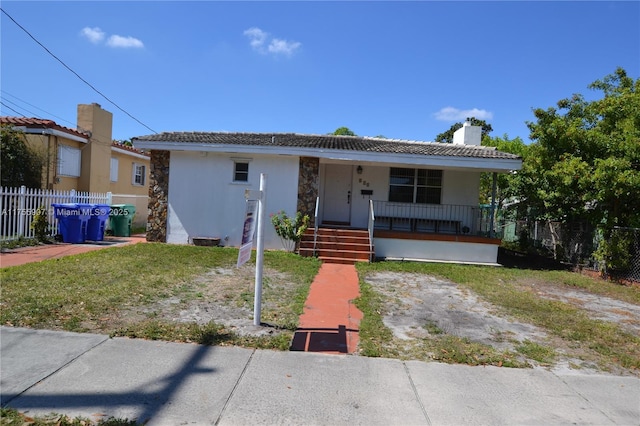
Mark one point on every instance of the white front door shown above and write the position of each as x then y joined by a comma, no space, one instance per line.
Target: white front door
337,194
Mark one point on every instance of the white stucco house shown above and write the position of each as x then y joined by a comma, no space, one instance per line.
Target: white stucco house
415,200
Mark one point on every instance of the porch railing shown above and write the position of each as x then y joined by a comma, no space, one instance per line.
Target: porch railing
315,226
370,228
431,218
18,206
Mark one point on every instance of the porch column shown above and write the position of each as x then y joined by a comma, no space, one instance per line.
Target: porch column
158,196
308,185
494,187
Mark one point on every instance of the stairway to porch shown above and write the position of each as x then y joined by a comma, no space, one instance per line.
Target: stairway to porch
337,245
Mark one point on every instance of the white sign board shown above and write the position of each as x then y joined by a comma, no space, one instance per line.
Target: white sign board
248,229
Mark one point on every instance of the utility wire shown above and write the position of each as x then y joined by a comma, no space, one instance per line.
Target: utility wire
93,137
34,106
8,107
33,114
75,73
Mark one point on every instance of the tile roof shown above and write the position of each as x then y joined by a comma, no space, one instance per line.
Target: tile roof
328,142
129,148
40,123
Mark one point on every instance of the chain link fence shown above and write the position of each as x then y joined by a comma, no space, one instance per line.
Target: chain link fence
577,243
625,258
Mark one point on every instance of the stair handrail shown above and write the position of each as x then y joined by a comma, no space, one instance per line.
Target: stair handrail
315,226
371,223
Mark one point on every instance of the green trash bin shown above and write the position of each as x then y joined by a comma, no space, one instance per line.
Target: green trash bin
120,219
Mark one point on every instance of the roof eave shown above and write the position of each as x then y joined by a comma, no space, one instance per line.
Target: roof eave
445,161
130,153
52,132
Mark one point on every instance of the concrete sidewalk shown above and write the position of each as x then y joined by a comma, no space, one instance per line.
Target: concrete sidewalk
160,383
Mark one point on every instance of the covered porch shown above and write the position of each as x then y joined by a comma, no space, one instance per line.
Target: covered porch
405,231
439,233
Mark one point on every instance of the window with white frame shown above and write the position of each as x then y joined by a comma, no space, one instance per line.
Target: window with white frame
138,174
113,170
419,186
241,170
69,160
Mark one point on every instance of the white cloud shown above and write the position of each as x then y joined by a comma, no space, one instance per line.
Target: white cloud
455,114
95,35
125,42
259,38
283,46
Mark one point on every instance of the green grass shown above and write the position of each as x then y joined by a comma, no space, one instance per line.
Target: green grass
377,340
461,350
90,292
540,353
9,416
21,242
507,289
86,292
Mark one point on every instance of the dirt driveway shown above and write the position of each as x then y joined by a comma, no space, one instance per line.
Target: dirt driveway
414,305
417,302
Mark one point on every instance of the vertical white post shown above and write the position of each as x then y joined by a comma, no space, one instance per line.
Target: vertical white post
257,300
21,210
494,185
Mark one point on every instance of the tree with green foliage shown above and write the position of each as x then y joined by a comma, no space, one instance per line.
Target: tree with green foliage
447,137
21,165
584,164
345,131
505,181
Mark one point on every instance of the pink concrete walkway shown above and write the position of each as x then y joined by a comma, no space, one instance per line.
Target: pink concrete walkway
330,321
22,255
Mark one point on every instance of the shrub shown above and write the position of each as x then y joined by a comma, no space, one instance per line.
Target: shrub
40,224
290,229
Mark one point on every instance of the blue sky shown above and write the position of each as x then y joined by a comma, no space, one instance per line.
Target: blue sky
405,70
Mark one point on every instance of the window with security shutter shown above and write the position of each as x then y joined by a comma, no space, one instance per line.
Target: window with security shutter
69,160
113,171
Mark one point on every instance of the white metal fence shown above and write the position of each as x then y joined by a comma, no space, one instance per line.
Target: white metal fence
19,205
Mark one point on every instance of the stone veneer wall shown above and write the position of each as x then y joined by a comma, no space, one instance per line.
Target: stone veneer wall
308,185
158,196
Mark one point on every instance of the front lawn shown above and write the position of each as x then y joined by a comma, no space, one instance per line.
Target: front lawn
196,294
140,290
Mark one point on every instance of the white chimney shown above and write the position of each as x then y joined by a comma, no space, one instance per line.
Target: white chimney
468,135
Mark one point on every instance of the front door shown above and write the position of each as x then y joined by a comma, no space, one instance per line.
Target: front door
337,194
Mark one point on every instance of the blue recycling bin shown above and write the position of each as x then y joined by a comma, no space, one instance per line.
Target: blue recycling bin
85,215
72,222
97,221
